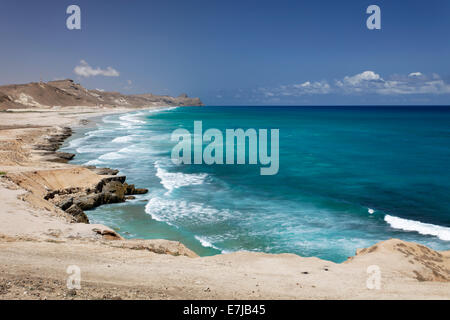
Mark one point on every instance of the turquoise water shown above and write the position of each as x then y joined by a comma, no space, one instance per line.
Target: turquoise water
336,163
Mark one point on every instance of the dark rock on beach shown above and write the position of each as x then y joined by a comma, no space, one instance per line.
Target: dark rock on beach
106,171
102,171
67,191
65,155
78,215
76,200
64,203
61,157
114,192
89,202
140,191
52,143
129,189
105,181
111,189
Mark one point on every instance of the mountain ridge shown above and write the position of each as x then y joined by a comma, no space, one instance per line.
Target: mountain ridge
67,93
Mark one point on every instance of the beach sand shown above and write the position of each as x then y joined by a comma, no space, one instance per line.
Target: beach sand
38,242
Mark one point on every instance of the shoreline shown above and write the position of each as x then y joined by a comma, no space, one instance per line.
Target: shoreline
112,188
34,232
197,245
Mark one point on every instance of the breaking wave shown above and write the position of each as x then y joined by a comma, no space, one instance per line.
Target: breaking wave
442,233
174,180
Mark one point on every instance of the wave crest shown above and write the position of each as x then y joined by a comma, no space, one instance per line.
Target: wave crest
175,180
123,139
442,233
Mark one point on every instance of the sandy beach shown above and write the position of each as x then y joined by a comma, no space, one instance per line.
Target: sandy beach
38,241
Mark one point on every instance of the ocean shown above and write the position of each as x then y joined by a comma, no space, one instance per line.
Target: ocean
348,178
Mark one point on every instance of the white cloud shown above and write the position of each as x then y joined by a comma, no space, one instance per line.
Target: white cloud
414,87
85,70
306,88
363,77
303,85
359,83
367,82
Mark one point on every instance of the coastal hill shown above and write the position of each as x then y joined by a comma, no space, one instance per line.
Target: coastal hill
67,93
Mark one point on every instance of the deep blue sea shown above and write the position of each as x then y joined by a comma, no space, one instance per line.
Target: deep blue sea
348,178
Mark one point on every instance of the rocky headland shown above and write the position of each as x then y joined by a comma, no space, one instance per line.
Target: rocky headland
67,93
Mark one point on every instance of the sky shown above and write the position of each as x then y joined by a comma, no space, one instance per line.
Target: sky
245,52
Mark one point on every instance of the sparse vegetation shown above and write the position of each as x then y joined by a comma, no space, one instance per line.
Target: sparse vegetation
2,173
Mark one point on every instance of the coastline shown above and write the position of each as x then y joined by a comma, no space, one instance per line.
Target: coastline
35,230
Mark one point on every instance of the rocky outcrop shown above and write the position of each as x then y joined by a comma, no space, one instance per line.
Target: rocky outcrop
415,260
140,191
103,171
49,146
61,157
108,180
107,233
54,141
78,214
158,246
77,200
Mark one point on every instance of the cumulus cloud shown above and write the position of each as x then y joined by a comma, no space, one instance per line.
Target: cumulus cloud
305,88
364,82
367,82
85,70
413,83
364,77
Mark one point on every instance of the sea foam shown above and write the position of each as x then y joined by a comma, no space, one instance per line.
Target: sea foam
176,210
77,142
174,180
131,118
123,139
442,233
112,156
204,242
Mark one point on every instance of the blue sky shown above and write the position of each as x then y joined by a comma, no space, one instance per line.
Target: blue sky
253,52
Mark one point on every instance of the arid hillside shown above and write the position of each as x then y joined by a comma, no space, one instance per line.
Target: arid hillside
65,93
